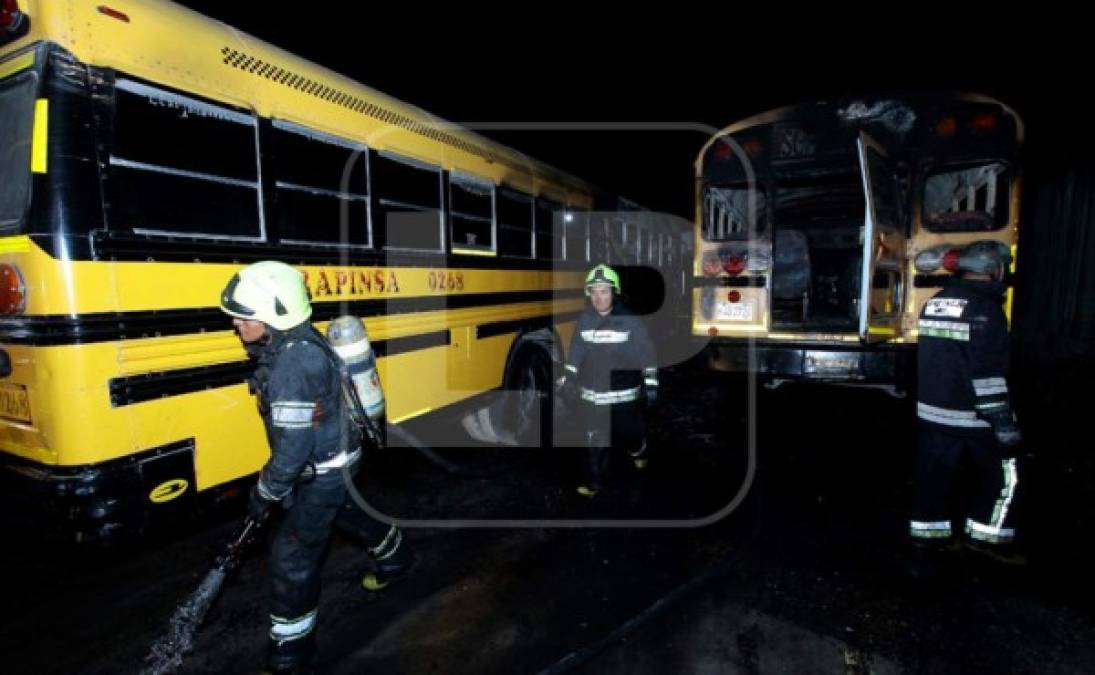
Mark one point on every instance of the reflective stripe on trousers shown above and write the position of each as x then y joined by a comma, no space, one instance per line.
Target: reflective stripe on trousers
285,629
935,529
610,397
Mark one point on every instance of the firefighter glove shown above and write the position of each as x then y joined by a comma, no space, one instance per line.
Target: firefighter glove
259,506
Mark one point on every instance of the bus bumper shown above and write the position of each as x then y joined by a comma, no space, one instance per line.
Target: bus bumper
98,502
817,362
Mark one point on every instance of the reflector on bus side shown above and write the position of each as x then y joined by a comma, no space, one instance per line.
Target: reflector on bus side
40,139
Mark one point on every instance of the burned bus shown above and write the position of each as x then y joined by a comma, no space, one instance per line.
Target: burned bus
822,229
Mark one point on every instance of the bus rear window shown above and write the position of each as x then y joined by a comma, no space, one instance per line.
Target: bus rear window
726,212
967,199
17,112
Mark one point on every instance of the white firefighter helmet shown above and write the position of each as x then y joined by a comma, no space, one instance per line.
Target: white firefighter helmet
268,291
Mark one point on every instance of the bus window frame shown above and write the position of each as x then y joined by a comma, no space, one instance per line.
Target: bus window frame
929,169
515,195
31,74
553,207
282,124
461,178
136,87
761,227
575,215
441,211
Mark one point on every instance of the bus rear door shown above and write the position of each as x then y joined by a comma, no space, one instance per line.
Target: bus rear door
882,283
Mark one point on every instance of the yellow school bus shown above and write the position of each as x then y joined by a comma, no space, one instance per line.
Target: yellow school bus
823,228
147,153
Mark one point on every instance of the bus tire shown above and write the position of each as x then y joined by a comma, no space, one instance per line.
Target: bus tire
529,386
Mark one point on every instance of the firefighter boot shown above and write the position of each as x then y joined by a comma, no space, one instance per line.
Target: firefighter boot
597,460
639,457
291,656
394,567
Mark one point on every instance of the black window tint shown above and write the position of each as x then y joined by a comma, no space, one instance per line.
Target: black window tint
321,187
17,115
514,224
575,229
549,230
309,159
180,165
408,204
406,183
152,126
151,200
470,199
470,214
305,215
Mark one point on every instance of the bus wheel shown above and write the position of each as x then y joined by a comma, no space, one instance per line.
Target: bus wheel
531,389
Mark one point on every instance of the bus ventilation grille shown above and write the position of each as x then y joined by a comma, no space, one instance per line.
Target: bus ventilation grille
287,78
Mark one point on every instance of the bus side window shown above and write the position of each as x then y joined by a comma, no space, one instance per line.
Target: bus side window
549,229
471,214
967,199
514,223
407,198
318,178
632,242
179,165
599,238
575,227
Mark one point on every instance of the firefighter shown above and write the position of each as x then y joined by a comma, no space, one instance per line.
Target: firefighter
610,370
310,432
964,412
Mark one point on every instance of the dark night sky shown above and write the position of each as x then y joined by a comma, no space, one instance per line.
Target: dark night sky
676,68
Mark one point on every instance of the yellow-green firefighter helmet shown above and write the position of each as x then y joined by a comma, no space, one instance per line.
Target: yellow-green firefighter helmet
603,274
268,291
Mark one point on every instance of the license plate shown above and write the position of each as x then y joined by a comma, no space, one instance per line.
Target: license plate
842,364
14,403
734,311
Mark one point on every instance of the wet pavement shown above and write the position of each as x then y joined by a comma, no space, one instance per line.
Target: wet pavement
807,574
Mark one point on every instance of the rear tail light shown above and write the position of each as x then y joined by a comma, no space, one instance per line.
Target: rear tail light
11,19
752,147
734,265
13,297
950,259
983,122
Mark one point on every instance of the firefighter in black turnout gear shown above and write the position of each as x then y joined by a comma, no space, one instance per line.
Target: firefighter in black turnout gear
611,370
311,434
964,411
